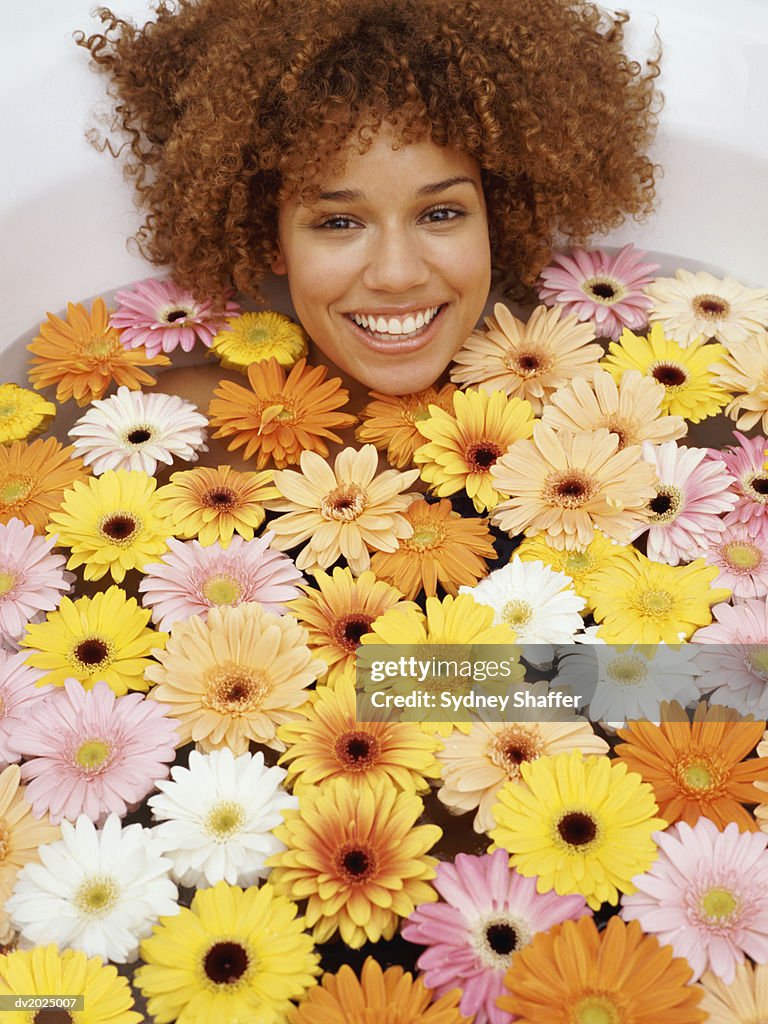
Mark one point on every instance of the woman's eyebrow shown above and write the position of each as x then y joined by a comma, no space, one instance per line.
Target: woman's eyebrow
351,195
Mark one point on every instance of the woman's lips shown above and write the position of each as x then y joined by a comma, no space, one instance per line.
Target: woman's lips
399,343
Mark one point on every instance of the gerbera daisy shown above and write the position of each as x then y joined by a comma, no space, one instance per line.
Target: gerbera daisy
21,837
601,287
131,430
232,955
33,478
256,337
526,360
454,620
216,818
112,524
95,890
743,372
691,495
83,355
464,445
582,825
744,1001
91,752
445,550
744,461
48,972
22,413
692,305
487,914
630,408
100,637
645,602
566,485
214,504
340,611
474,767
377,996
234,677
32,578
191,579
347,511
357,856
733,659
389,421
741,556
697,769
282,415
18,695
329,743
706,896
575,973
692,390
160,315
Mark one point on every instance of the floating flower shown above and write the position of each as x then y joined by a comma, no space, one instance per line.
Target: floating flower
487,914
357,857
256,337
645,602
347,511
744,1001
234,677
378,996
741,556
92,638
527,360
32,578
692,305
566,485
100,891
33,478
445,550
602,288
463,446
697,769
217,816
233,955
618,976
19,693
83,356
743,371
160,315
281,416
474,767
706,897
92,753
744,461
692,390
214,504
112,524
191,579
22,413
389,421
582,825
732,660
131,430
47,972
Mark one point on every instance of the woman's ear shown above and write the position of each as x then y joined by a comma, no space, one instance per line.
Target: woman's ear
278,261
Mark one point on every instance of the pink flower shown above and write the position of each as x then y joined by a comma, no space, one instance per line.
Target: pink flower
160,315
489,912
600,287
191,579
18,695
32,579
741,555
706,896
744,462
734,659
691,495
91,752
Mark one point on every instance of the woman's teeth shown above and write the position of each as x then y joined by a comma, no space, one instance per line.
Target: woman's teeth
396,325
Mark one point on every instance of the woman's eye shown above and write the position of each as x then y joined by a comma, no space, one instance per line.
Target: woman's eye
338,223
442,213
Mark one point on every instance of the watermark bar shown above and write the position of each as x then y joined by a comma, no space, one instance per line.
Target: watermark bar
35,1003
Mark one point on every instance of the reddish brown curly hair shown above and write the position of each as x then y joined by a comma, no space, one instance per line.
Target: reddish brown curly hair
230,105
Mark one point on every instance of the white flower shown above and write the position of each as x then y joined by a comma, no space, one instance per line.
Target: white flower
133,430
217,816
98,890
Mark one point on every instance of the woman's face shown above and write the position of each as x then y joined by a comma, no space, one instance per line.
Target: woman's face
390,269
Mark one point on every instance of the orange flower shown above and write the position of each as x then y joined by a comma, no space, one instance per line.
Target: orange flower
282,416
445,549
697,768
33,478
390,421
83,355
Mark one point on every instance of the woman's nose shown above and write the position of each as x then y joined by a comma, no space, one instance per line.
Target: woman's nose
395,262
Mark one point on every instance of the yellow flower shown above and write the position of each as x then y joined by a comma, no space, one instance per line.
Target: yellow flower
389,421
254,337
743,372
744,1001
22,413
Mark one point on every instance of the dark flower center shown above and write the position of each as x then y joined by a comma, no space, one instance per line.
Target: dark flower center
483,455
603,290
119,526
502,938
176,314
225,963
660,504
571,489
356,863
577,829
357,750
355,627
528,362
670,376
220,497
760,484
139,435
52,1017
517,754
91,652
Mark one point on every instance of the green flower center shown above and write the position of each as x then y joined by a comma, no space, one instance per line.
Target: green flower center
596,1010
698,776
222,589
655,603
717,904
628,670
97,896
92,754
742,556
576,562
424,537
15,490
224,820
757,659
99,345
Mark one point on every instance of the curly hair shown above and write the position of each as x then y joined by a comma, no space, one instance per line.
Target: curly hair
228,106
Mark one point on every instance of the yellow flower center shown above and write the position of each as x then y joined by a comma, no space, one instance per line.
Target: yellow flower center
7,582
8,408
607,291
222,589
5,839
120,528
344,503
517,613
419,415
513,745
99,346
656,604
15,490
742,556
711,307
673,376
757,659
628,669
235,689
577,562
596,1010
717,904
97,896
666,505
92,754
224,820
424,536
699,774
